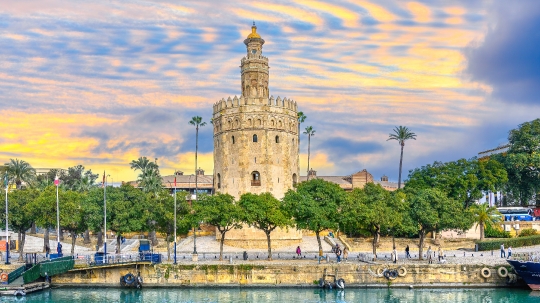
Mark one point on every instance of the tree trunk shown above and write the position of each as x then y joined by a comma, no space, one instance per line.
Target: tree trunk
308,154
86,237
481,231
400,164
99,239
153,237
61,235
375,240
45,238
119,242
73,241
33,228
318,234
422,235
168,236
22,238
221,245
269,246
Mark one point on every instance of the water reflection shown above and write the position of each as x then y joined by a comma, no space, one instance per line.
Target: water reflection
287,295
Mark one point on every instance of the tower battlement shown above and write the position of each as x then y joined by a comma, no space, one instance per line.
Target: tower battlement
237,102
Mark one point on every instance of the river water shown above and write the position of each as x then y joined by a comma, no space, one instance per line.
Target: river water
286,295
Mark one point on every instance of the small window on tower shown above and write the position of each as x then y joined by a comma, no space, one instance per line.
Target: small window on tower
218,181
254,138
277,139
255,179
232,139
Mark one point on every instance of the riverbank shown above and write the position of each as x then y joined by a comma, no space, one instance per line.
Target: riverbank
288,274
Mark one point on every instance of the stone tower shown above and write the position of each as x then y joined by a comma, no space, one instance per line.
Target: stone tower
255,135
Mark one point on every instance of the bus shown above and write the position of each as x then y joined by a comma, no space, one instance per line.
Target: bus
517,213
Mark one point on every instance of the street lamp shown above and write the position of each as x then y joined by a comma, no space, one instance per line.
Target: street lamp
105,216
7,233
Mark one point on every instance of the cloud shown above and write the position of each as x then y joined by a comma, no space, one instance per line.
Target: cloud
508,58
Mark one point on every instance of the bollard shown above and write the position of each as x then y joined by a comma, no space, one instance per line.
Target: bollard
230,260
327,259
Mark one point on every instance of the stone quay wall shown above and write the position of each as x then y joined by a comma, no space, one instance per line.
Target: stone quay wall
284,275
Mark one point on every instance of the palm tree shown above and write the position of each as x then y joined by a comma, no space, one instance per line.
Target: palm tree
197,122
484,215
401,134
20,171
310,132
149,179
301,119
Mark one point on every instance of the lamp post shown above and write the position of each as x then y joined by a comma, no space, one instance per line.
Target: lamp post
175,220
7,233
105,216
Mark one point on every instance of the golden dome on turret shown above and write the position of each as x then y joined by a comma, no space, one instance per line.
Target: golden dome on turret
254,34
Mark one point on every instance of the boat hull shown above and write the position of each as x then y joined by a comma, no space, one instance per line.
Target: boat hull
528,271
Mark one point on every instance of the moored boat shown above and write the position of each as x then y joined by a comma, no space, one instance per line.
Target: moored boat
529,271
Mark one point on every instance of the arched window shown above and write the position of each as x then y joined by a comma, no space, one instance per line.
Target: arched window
232,139
277,139
218,181
294,180
254,138
255,179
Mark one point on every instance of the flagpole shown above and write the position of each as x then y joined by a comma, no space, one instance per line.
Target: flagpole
174,220
7,233
105,216
58,247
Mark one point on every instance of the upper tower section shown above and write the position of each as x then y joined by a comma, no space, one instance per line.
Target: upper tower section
254,68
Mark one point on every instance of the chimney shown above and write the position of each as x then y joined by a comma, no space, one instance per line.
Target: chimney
312,173
200,172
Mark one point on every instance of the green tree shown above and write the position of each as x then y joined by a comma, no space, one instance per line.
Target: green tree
310,132
462,180
315,205
44,210
77,178
128,210
522,162
265,213
401,134
72,215
485,215
20,214
374,209
432,211
149,178
220,211
20,171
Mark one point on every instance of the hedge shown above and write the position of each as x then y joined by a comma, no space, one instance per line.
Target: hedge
514,242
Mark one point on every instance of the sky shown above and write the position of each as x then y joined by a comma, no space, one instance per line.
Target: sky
101,83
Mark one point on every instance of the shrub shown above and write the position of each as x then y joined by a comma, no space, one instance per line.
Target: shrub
527,232
514,242
496,232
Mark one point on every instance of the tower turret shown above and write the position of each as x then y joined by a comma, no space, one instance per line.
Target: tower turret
254,68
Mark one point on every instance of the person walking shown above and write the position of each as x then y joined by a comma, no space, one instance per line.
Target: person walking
298,251
407,254
394,255
429,256
509,251
503,254
345,253
338,254
47,251
441,254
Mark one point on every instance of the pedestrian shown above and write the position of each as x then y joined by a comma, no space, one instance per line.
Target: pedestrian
47,251
509,251
245,255
59,249
440,253
407,254
394,255
298,251
503,254
429,256
345,253
338,254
